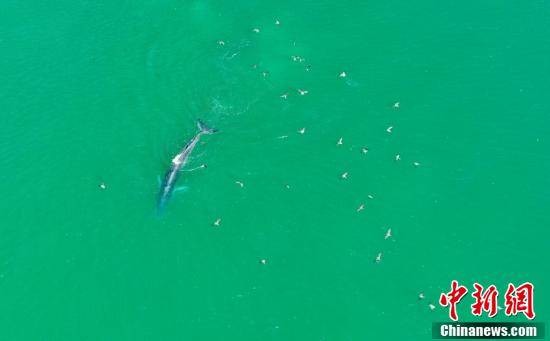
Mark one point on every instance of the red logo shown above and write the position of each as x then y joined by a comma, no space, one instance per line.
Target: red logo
517,300
452,298
485,301
520,300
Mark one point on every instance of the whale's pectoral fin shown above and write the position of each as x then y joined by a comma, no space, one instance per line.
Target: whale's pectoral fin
203,166
181,189
159,181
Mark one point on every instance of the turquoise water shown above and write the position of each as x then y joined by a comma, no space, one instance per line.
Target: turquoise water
99,92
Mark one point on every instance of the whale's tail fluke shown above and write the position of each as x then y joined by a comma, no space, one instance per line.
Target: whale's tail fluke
204,128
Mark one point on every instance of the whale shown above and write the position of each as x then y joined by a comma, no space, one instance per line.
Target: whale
180,160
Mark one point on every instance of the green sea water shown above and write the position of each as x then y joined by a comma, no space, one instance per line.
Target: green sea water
98,92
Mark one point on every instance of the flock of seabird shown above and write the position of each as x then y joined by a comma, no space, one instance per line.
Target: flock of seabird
340,141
